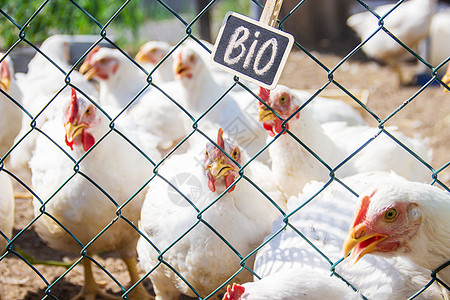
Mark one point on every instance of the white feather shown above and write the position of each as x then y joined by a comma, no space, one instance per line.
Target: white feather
324,221
114,165
243,217
10,122
409,22
335,141
40,85
6,209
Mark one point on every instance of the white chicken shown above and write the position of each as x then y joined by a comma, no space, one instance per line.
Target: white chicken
39,86
47,78
6,210
70,197
409,22
332,142
150,54
119,78
11,120
203,49
293,284
236,112
327,110
323,109
439,39
201,91
307,246
158,115
56,48
223,78
184,228
408,219
121,81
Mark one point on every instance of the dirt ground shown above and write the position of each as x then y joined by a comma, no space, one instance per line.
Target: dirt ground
428,115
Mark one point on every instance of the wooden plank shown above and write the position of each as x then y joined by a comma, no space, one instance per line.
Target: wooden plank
270,13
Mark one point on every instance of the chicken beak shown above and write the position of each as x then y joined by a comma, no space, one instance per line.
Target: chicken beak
218,168
5,83
88,70
72,130
446,80
360,243
180,70
143,57
265,114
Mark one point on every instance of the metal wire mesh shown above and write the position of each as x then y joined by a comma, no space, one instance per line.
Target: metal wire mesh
103,37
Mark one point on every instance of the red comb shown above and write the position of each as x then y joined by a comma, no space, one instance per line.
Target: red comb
5,70
234,293
220,141
91,53
179,58
360,216
73,106
264,94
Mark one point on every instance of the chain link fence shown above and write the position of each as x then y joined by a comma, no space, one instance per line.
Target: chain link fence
138,169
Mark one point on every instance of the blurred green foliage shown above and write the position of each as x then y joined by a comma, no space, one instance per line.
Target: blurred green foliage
64,17
239,6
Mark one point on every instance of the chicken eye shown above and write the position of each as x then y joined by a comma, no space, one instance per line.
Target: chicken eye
283,99
235,154
191,58
88,111
390,215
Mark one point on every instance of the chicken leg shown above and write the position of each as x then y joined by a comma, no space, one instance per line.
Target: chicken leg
404,79
91,289
139,292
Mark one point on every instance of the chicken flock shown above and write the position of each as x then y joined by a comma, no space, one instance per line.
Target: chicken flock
422,26
199,183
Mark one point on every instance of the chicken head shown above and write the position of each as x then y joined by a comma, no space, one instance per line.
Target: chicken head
220,169
80,117
281,101
186,63
100,63
152,52
381,225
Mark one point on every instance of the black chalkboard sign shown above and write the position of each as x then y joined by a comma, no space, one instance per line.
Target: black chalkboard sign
251,50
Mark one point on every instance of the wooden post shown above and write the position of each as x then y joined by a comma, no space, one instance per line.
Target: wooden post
270,13
204,21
